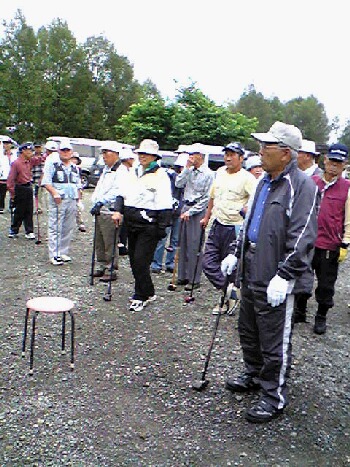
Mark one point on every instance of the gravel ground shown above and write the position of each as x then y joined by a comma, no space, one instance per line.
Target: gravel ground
129,400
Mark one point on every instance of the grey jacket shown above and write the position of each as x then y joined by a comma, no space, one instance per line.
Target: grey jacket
287,231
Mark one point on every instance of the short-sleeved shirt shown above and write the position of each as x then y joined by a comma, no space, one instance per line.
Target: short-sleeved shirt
231,193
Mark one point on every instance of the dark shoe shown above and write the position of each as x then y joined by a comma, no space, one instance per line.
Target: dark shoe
171,270
243,383
262,412
320,326
182,282
12,234
299,317
82,228
123,251
156,270
107,277
98,273
189,287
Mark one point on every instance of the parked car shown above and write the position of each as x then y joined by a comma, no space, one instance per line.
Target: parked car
96,170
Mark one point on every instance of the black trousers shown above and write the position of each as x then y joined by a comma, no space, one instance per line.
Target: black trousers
23,209
142,242
3,189
265,334
325,264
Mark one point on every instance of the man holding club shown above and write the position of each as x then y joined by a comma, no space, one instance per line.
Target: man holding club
108,187
274,245
229,196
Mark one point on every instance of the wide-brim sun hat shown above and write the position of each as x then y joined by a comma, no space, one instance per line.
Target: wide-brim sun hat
149,147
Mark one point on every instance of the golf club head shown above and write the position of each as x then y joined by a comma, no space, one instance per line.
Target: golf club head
171,287
107,297
189,299
199,385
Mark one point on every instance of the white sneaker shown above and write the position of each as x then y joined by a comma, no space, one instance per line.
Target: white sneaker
150,300
56,261
30,236
65,258
137,305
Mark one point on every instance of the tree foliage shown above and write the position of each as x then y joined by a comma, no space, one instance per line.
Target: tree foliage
50,84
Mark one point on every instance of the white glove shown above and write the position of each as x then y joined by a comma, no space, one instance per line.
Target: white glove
277,291
228,264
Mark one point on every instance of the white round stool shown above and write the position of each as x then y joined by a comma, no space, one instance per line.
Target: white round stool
49,305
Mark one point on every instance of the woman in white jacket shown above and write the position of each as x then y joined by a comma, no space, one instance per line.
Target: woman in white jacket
147,208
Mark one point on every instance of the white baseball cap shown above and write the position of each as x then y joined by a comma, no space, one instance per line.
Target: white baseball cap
125,154
111,146
253,161
65,144
309,146
51,146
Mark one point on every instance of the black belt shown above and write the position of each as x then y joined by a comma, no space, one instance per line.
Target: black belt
24,184
189,203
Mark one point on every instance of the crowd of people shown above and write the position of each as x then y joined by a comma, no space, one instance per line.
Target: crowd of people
259,228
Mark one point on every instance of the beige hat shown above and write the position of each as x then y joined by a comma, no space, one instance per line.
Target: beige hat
150,147
280,132
309,146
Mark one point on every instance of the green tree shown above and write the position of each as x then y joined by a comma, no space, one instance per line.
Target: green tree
253,104
310,117
149,118
345,135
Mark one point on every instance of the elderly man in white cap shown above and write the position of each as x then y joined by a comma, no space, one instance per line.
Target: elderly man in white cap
61,179
109,186
254,165
306,158
196,179
147,207
274,245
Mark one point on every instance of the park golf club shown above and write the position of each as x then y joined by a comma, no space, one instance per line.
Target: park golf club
92,269
190,298
172,286
108,295
202,383
36,197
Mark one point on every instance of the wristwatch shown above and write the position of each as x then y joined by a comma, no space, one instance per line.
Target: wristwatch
344,245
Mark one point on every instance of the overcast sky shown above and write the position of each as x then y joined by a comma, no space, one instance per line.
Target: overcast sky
286,49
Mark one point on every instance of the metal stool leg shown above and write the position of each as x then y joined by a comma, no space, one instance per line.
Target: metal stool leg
63,351
25,332
32,342
72,340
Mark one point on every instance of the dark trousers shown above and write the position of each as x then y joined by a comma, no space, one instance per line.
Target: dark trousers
142,242
3,189
325,263
216,249
23,209
189,255
265,335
